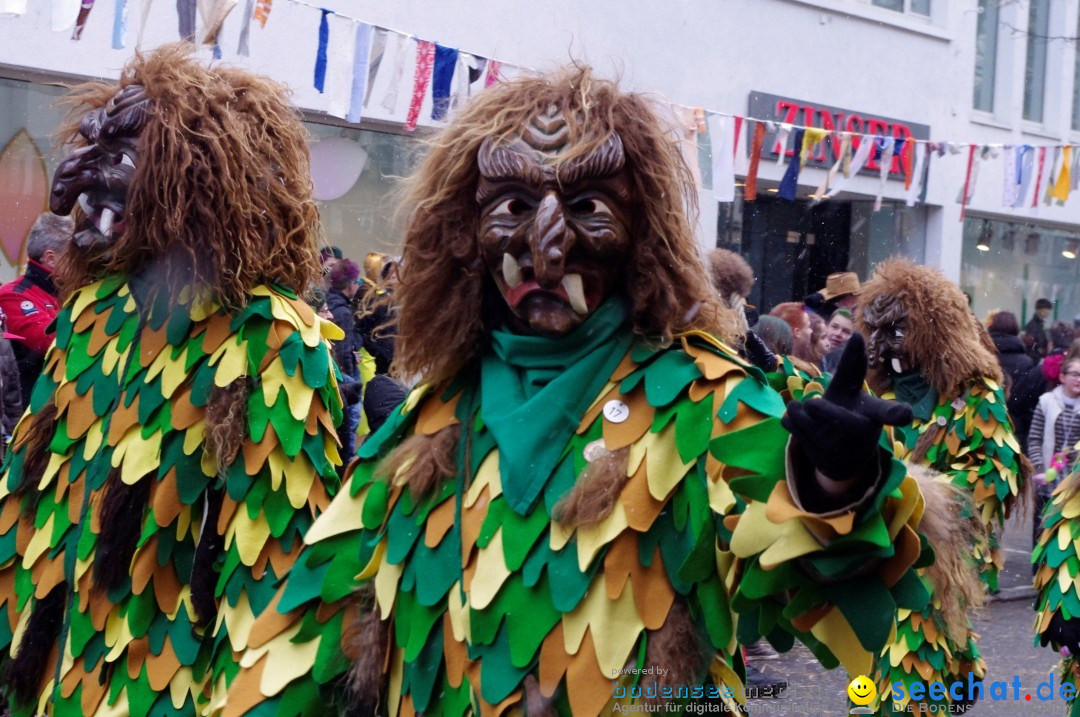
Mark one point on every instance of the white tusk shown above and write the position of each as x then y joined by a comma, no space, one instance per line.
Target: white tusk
105,223
511,271
576,293
84,202
896,365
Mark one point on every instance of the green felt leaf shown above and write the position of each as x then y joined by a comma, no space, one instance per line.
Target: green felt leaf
668,376
693,428
869,610
754,394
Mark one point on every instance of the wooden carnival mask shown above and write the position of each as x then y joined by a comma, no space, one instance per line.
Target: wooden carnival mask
97,176
886,320
554,235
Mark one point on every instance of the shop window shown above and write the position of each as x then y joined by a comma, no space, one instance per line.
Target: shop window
1035,66
986,44
28,119
912,7
363,168
1007,266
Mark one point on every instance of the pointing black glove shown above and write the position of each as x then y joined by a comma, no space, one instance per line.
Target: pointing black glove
839,432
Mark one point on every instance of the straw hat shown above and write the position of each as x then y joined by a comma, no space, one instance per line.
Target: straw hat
840,284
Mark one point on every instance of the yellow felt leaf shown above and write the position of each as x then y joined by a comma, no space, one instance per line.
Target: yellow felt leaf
92,443
39,543
120,708
615,625
1072,508
594,536
83,298
342,516
413,399
111,358
238,619
835,632
330,330
386,585
299,395
249,535
664,469
754,533
487,475
459,614
194,437
491,573
174,374
139,456
179,687
286,664
397,663
56,461
721,499
299,476
117,635
372,567
230,362
793,541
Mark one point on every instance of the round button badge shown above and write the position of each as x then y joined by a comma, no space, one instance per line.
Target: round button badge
616,411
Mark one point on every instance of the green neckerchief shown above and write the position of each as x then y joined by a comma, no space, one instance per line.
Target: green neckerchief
913,389
534,391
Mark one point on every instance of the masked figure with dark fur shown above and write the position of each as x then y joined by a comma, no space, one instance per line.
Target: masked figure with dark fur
588,486
927,350
179,438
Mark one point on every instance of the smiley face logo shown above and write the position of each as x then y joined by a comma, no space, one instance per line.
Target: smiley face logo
862,690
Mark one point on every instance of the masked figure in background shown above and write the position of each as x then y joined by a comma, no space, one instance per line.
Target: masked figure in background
178,441
926,349
588,487
733,280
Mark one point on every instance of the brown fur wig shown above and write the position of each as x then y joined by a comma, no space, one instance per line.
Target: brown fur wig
221,198
730,273
443,282
941,333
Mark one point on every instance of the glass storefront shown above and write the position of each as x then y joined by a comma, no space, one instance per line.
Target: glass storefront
360,166
793,246
1007,265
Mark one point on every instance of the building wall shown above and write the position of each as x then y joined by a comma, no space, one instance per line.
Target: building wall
712,54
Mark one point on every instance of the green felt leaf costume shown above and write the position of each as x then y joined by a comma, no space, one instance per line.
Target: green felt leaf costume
130,380
1057,570
487,598
969,440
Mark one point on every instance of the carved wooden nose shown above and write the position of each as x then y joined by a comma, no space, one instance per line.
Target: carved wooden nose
551,240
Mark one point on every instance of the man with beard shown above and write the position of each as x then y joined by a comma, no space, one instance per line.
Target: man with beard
588,487
926,349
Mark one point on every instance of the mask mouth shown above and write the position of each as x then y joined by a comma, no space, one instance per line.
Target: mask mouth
103,223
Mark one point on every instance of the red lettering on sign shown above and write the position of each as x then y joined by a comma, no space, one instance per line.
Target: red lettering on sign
792,110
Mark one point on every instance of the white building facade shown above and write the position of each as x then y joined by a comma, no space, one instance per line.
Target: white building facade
992,73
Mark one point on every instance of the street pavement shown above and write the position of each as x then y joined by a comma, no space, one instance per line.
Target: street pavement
1005,627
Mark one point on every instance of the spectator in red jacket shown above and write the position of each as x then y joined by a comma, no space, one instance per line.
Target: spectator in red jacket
30,302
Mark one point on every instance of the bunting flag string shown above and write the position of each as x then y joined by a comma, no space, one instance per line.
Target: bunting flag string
750,192
361,60
320,55
446,62
425,64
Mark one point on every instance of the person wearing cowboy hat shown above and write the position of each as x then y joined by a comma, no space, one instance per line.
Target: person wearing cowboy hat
840,292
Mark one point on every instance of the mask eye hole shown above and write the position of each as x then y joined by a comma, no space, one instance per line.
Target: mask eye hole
590,205
513,207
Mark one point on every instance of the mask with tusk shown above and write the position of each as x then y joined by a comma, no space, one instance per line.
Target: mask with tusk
553,234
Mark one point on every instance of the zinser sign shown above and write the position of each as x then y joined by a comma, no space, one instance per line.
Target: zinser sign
832,119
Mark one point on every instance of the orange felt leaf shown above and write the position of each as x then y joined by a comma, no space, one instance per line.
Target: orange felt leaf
594,410
9,515
217,330
244,692
98,338
143,568
160,669
640,506
256,454
587,687
455,655
136,654
553,661
472,518
907,552
166,588
80,418
47,575
151,343
165,499
621,435
435,415
653,594
808,619
75,497
438,523
621,556
271,623
123,419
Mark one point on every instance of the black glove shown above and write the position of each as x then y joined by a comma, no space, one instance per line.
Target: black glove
757,353
839,432
1065,633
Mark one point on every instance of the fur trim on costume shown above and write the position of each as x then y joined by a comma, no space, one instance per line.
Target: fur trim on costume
36,438
120,524
941,333
730,273
953,575
422,461
25,673
595,492
227,422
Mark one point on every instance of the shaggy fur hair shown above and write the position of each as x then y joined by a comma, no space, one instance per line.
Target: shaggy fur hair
366,643
595,492
941,334
730,273
221,198
423,461
121,519
443,281
226,422
34,442
953,576
678,648
24,675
